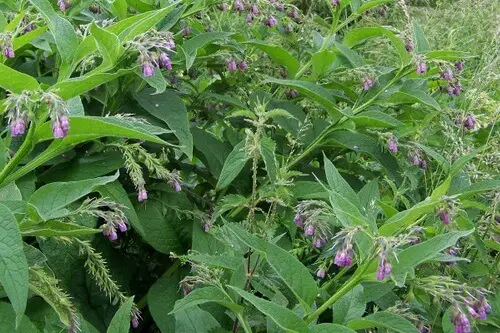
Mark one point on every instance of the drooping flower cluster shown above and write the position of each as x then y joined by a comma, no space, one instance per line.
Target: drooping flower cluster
384,267
270,13
6,45
469,122
311,217
344,245
233,65
453,86
133,155
367,82
417,158
461,296
154,48
111,212
22,106
446,211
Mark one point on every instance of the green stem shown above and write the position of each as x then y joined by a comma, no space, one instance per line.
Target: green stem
21,153
341,292
244,323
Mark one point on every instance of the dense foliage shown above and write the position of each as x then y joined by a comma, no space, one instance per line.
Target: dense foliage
249,166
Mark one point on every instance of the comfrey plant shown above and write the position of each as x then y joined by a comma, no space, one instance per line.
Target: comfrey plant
258,165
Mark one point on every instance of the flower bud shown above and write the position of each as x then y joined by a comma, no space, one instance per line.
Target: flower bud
444,216
122,226
186,31
447,74
57,129
309,230
8,52
142,195
231,65
148,70
410,46
298,221
335,3
242,65
459,65
423,165
238,6
367,82
321,273
392,144
249,18
271,22
18,127
165,61
421,68
255,9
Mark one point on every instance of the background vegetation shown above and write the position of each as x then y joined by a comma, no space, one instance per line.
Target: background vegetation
249,166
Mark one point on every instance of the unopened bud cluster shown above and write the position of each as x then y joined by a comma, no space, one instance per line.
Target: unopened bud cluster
154,48
311,216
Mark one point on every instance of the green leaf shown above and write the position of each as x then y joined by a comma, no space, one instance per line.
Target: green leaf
195,320
205,295
411,92
10,192
225,261
347,213
13,263
278,54
91,128
416,254
86,129
9,322
479,187
109,46
407,217
338,184
233,165
371,4
86,167
307,190
49,201
157,81
289,269
192,45
118,8
355,59
63,32
362,143
316,92
15,81
213,151
283,317
22,40
129,28
161,300
157,227
170,108
375,119
421,43
73,87
267,149
331,328
322,62
391,321
442,162
447,55
358,35
56,228
350,306
121,320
